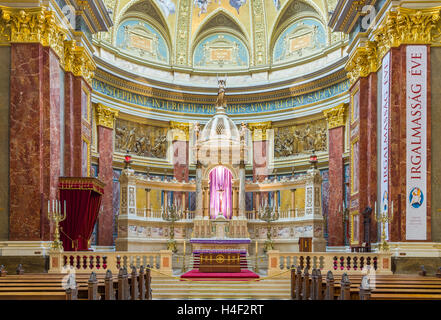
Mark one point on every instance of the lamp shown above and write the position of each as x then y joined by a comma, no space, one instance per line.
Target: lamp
127,160
313,159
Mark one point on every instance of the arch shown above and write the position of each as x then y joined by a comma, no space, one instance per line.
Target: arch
291,11
221,191
220,19
145,29
218,22
234,170
151,11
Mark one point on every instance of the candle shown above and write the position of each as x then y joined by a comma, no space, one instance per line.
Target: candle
375,208
392,207
64,206
256,247
184,247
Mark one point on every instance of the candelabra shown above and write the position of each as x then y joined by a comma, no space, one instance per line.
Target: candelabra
383,219
56,215
171,214
268,214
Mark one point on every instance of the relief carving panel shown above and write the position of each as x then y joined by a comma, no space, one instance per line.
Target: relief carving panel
141,139
302,138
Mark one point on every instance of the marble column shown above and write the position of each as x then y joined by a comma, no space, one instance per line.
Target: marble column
242,190
199,199
235,213
147,202
207,202
293,203
180,138
105,117
336,126
260,140
34,153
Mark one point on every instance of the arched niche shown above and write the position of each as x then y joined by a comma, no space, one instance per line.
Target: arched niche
138,37
154,12
302,38
221,51
220,43
292,12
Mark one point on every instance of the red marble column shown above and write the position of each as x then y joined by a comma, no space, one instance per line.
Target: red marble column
180,166
336,184
371,161
397,149
105,165
34,139
69,132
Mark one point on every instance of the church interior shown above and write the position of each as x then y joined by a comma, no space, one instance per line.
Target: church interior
281,148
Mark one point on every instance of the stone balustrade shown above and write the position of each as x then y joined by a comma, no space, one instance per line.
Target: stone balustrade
351,263
100,262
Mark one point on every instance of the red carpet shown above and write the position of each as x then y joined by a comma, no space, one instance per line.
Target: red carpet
244,274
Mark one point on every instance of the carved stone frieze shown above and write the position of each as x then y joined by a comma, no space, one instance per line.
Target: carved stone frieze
302,138
140,139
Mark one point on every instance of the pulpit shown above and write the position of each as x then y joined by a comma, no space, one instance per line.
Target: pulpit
83,200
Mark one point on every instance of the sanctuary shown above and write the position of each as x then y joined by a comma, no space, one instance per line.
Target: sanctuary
190,141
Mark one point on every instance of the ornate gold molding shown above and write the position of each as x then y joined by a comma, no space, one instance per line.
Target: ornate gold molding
259,130
39,25
78,61
336,116
180,131
32,25
105,116
403,26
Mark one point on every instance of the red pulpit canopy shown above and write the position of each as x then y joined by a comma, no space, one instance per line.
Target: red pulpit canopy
83,201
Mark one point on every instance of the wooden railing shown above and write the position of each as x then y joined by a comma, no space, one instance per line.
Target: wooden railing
100,262
351,263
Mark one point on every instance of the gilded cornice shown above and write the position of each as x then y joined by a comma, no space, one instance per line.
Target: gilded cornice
105,116
78,61
336,116
259,130
180,130
403,26
38,25
32,25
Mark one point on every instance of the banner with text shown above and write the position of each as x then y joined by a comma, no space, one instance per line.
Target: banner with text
384,146
416,143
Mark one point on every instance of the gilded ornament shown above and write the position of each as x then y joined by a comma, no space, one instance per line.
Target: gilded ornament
336,116
180,130
105,116
403,26
259,130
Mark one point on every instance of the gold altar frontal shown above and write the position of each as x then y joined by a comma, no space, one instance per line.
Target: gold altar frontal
219,262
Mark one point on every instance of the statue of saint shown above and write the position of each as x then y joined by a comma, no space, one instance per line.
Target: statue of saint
221,100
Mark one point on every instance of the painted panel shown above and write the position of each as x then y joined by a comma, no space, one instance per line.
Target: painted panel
220,51
140,39
301,39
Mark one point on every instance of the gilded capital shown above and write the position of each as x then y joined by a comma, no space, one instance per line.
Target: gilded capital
336,116
32,25
180,130
402,26
259,130
78,61
105,116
